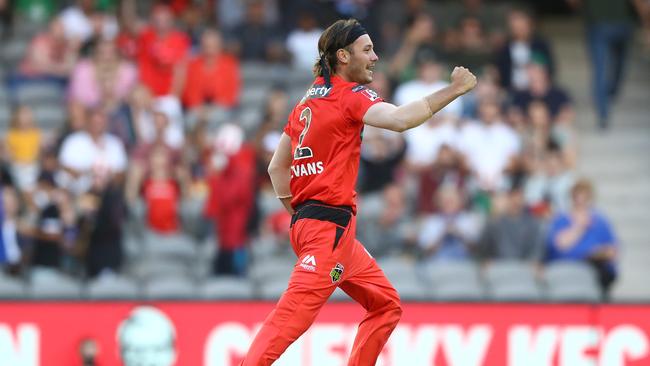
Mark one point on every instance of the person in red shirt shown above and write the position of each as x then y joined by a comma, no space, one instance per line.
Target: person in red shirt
211,77
231,195
314,172
161,194
161,50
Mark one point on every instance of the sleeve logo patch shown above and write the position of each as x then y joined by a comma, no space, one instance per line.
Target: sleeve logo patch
358,88
371,94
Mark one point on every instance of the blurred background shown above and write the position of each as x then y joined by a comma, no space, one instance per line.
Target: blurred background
136,136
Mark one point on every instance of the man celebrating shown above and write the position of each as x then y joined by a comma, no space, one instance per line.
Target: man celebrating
314,171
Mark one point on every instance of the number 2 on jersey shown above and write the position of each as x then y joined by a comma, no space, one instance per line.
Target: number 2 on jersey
303,152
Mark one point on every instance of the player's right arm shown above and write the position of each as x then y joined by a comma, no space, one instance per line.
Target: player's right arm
280,171
391,117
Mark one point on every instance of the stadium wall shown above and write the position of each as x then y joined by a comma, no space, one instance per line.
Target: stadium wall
217,334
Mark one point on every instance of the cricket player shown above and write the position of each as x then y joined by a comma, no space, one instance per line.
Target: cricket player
314,172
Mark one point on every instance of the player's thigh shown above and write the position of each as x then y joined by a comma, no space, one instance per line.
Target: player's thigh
369,286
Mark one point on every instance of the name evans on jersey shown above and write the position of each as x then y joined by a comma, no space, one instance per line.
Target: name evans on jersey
302,170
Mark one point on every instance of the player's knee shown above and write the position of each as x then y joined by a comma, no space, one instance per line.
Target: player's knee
395,311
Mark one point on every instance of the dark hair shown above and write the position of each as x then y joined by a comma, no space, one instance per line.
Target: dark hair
331,40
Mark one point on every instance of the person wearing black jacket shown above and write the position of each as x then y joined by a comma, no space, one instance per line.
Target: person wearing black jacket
523,46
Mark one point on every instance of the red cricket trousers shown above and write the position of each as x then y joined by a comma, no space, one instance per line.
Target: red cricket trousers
323,238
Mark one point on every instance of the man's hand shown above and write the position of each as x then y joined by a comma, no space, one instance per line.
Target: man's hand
462,80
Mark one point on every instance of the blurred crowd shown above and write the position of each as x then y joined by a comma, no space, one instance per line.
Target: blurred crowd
157,134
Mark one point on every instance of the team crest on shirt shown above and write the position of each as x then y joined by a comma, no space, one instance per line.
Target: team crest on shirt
336,273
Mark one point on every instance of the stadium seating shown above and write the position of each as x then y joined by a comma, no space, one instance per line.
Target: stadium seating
170,288
49,116
571,282
272,268
224,288
272,289
152,268
50,284
34,94
12,288
454,281
112,287
339,296
512,281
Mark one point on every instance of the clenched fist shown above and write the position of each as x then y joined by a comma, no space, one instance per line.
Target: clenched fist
463,79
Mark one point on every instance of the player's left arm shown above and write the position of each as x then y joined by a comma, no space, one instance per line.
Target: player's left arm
280,171
410,115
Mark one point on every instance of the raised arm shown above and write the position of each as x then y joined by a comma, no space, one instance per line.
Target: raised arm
402,118
280,171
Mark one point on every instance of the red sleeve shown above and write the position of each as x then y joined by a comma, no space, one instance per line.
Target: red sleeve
287,129
355,102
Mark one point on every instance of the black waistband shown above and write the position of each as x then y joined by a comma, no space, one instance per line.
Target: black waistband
312,209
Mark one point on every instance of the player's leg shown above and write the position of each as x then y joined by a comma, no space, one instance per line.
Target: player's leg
309,288
370,288
600,57
292,316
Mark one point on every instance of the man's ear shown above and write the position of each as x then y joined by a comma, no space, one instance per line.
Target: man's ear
343,56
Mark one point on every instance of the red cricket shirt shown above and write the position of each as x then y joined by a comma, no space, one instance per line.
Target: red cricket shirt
325,130
158,56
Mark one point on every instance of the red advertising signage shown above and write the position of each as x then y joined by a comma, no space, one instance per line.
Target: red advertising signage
218,334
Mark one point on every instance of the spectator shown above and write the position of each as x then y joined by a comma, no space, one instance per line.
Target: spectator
23,142
522,46
161,194
541,88
144,149
55,223
419,42
387,230
50,57
91,157
256,40
82,22
452,233
609,31
448,169
643,7
230,198
194,19
161,50
490,14
428,80
105,213
382,153
471,47
13,238
130,28
144,110
302,42
142,161
6,18
231,13
212,77
548,187
424,142
513,235
276,111
487,87
539,133
584,234
490,146
103,80
268,132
